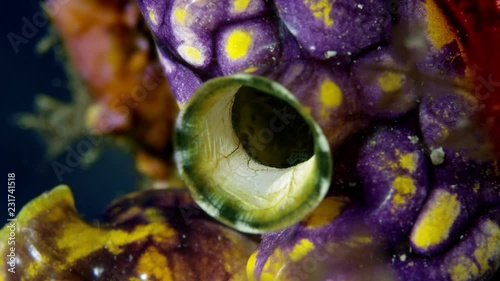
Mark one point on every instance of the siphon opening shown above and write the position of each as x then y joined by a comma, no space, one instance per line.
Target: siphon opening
271,131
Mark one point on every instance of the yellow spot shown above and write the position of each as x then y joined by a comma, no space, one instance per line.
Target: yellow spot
191,54
363,239
302,248
464,269
404,188
152,214
152,16
92,115
321,10
326,212
330,94
251,266
408,161
238,43
487,249
357,241
273,266
437,220
92,239
477,187
154,264
35,267
438,27
180,15
240,5
250,69
390,81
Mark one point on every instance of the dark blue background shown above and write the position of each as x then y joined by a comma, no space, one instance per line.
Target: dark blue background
24,75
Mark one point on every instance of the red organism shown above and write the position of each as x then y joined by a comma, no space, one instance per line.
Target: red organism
479,24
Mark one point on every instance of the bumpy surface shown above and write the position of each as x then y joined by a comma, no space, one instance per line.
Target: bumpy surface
422,205
198,40
153,235
407,203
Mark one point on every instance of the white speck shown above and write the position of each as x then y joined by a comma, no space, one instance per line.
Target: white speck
130,258
360,6
349,53
312,48
379,48
144,276
168,66
402,257
98,271
437,156
352,184
413,139
453,186
219,237
34,253
330,54
461,237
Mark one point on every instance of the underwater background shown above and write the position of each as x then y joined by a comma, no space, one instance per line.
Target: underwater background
25,74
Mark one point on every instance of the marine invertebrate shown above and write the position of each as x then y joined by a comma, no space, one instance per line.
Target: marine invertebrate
150,235
385,86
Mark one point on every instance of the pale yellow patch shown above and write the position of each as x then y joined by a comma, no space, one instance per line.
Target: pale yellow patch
154,265
357,241
437,220
489,248
390,81
251,266
92,116
152,214
152,16
330,94
240,5
439,29
326,212
408,161
180,15
404,188
35,267
321,10
191,54
464,269
273,266
238,43
477,187
302,248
